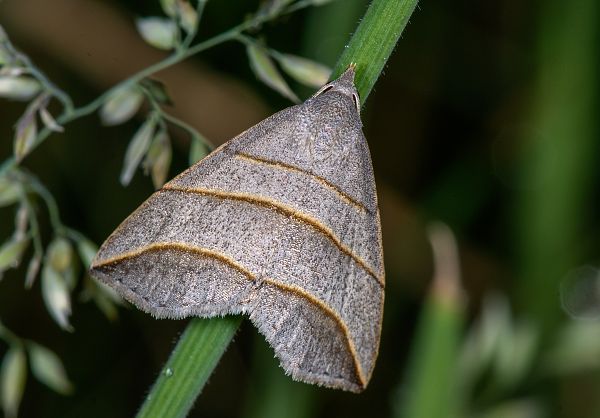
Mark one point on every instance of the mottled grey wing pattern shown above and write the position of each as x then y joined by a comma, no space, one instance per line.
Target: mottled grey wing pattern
281,223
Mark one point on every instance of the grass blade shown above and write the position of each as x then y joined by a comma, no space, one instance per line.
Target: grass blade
191,363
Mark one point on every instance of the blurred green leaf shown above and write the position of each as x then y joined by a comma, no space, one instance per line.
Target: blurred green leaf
519,408
431,389
11,252
188,18
60,257
481,343
33,268
49,121
10,191
158,159
121,106
47,367
137,149
13,376
60,254
5,57
105,297
198,150
87,251
272,8
157,31
303,70
168,7
25,134
575,348
21,220
265,70
55,293
515,354
498,344
19,88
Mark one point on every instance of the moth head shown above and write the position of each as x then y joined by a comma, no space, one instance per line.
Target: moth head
344,85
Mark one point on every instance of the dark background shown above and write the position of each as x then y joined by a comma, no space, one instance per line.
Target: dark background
485,118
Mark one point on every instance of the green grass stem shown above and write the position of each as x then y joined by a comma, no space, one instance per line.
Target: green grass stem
374,41
192,361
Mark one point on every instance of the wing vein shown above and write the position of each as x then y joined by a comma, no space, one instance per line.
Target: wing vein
205,252
288,167
283,209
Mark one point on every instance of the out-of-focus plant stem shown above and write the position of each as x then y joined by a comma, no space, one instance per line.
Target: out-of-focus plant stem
566,117
430,389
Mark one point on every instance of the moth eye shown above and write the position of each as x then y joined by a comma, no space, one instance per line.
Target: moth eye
356,102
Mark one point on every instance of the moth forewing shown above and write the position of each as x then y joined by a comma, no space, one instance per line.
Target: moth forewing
281,223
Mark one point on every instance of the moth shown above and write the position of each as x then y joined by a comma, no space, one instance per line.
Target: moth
280,224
